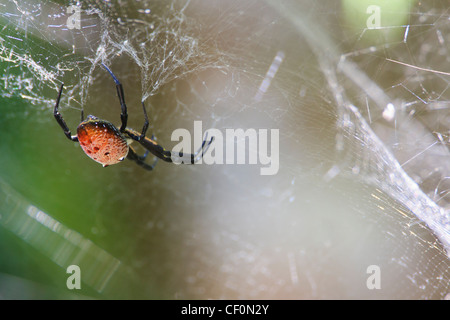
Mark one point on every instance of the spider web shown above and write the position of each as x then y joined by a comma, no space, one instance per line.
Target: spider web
364,131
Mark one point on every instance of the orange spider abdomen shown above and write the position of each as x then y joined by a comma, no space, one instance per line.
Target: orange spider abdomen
102,141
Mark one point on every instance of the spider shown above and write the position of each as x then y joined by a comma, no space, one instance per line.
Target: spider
107,144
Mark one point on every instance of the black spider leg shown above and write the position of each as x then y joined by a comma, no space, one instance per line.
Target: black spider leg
60,119
169,155
157,150
140,160
195,157
149,144
120,94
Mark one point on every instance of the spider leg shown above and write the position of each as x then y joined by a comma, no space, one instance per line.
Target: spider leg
60,119
165,155
120,94
195,157
140,160
150,145
145,127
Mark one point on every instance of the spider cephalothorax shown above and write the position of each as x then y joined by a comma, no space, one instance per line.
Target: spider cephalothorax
106,144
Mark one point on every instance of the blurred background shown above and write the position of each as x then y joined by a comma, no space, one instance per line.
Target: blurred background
357,89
